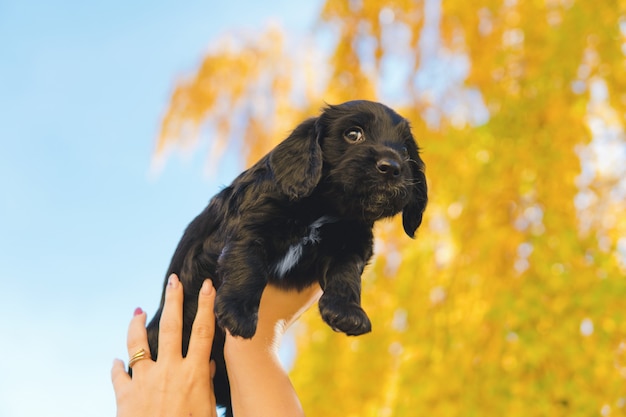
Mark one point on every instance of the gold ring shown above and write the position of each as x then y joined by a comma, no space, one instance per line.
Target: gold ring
142,354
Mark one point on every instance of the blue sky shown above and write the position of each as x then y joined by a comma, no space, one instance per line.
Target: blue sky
86,232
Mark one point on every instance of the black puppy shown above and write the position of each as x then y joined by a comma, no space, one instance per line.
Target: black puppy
303,213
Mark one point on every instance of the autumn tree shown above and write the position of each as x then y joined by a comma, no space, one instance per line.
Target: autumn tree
511,299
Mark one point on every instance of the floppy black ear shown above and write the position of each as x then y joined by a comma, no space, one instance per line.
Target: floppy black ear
414,210
297,161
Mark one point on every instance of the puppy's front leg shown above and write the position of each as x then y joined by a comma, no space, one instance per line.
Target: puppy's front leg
243,271
340,305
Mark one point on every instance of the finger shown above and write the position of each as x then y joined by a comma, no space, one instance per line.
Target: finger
119,377
203,328
171,323
137,338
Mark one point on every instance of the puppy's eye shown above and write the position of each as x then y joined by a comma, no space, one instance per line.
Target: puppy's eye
405,153
354,135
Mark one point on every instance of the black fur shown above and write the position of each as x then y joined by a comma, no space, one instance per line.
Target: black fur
303,213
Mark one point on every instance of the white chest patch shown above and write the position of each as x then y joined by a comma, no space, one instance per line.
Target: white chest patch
294,253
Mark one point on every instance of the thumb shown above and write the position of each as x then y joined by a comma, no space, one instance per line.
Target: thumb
119,376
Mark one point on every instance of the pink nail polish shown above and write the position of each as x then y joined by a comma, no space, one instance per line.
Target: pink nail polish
172,281
138,311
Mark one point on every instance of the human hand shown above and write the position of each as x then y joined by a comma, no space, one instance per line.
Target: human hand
172,386
259,385
278,310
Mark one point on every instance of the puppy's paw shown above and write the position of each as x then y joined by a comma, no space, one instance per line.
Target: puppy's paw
238,318
348,318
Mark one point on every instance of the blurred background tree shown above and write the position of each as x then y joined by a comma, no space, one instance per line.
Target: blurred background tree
511,299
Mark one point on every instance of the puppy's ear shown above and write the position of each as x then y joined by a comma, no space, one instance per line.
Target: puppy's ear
297,161
414,210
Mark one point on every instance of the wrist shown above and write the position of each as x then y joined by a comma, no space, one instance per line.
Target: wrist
265,341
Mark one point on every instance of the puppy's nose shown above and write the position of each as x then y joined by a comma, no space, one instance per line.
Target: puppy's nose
388,167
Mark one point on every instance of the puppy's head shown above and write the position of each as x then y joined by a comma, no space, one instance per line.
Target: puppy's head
371,163
362,157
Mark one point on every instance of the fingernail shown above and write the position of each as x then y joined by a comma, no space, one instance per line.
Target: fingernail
138,311
172,281
207,287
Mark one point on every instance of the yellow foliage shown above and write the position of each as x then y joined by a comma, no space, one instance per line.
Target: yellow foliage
511,299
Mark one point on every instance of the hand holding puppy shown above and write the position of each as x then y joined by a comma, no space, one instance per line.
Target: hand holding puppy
173,385
177,386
